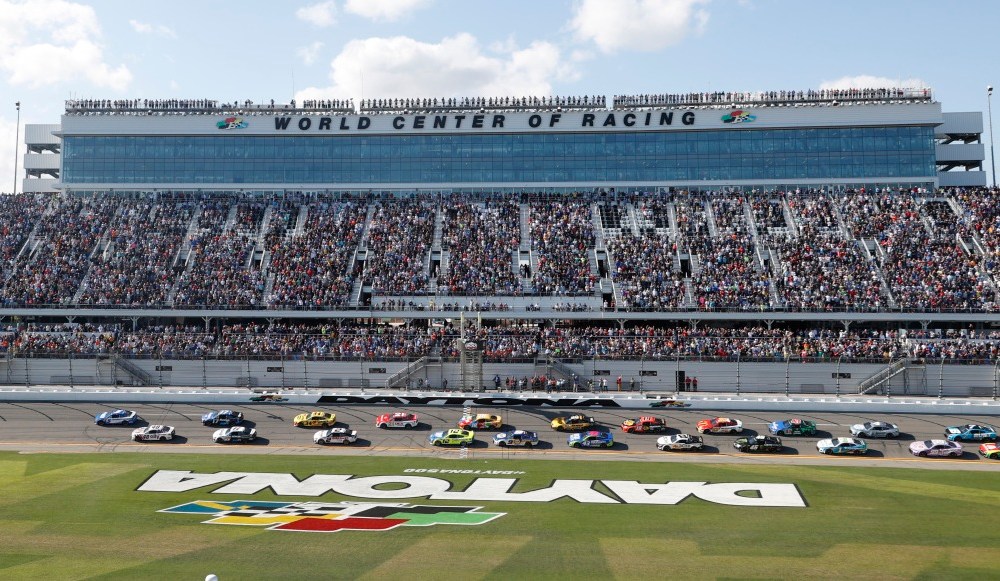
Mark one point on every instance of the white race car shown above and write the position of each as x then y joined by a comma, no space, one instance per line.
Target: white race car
116,417
875,430
236,434
336,436
153,434
680,442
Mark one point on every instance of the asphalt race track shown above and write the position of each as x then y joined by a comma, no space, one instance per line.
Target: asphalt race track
69,427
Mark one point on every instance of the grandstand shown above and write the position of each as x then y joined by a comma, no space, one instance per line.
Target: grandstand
804,242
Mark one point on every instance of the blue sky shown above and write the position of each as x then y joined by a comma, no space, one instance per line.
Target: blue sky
52,50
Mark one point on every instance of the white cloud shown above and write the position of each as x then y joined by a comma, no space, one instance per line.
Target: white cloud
384,10
158,29
640,25
308,54
872,82
454,67
46,42
322,14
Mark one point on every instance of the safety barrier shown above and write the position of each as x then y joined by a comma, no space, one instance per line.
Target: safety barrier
650,401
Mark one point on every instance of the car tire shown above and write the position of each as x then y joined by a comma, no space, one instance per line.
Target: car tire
922,454
436,443
891,435
779,433
382,426
100,422
528,445
956,455
502,444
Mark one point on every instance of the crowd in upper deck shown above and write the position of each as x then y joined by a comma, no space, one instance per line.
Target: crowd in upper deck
827,250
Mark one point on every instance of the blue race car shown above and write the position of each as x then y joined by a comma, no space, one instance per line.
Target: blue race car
793,427
222,418
116,417
591,439
971,433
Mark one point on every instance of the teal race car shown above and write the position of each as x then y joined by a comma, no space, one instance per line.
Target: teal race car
452,437
855,446
591,439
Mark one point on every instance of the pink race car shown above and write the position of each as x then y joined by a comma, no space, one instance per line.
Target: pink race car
936,448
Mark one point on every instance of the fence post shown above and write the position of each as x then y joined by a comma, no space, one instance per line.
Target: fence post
941,380
71,370
788,369
839,361
738,357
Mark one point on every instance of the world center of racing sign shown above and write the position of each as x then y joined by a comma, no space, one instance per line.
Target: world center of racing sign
395,487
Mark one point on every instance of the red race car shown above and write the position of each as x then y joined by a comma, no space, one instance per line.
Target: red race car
720,426
644,425
397,420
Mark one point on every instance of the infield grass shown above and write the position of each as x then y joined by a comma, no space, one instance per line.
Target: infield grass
76,516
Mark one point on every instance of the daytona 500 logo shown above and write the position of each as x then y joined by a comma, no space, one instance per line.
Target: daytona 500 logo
382,488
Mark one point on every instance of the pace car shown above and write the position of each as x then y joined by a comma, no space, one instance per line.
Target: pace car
397,420
116,417
452,437
792,427
758,444
315,420
680,442
573,423
234,435
153,434
990,450
222,418
480,422
936,448
336,436
644,425
720,426
591,439
875,430
842,446
516,438
971,433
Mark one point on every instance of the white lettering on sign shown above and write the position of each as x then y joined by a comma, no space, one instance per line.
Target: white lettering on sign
480,489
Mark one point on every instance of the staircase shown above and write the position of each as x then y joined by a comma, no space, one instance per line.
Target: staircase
879,383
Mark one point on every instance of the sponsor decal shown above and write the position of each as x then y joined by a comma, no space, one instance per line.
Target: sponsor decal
326,517
746,494
269,397
232,123
487,122
468,401
738,117
668,403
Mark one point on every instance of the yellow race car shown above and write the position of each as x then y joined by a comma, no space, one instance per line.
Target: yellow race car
573,423
315,420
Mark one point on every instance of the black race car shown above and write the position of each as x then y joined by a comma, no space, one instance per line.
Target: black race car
758,444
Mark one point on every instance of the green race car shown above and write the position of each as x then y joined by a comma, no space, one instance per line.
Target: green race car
452,437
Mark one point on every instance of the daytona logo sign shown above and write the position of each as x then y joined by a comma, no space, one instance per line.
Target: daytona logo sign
480,489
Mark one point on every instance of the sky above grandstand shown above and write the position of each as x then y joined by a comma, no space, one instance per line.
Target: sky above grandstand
53,50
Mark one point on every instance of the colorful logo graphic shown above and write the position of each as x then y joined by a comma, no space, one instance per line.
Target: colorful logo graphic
325,517
738,117
232,123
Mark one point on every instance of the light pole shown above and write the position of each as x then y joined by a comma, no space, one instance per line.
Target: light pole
989,108
17,138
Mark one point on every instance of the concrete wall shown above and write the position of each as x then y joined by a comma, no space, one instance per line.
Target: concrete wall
730,377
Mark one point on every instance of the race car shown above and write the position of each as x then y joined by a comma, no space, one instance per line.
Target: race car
936,448
573,423
397,420
842,446
336,436
222,418
116,417
591,439
792,427
720,426
990,450
153,434
971,433
516,438
480,422
315,420
452,437
679,442
234,435
875,430
758,444
644,425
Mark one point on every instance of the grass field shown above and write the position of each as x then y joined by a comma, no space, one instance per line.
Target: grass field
76,516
